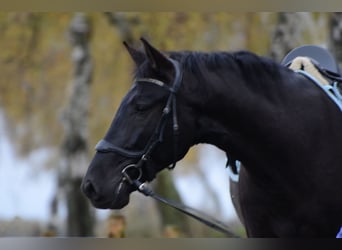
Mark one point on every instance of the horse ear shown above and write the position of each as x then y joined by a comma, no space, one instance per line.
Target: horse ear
156,58
137,55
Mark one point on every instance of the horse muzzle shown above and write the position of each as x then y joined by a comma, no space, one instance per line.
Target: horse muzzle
115,198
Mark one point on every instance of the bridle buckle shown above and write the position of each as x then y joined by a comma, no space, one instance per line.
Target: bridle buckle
131,173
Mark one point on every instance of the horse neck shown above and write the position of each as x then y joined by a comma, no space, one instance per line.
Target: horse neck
238,107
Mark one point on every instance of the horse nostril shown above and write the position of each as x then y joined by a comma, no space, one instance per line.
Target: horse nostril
89,189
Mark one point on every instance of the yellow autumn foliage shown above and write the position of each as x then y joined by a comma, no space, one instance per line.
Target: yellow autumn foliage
36,66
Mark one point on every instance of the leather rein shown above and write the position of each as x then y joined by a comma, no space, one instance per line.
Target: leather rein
132,173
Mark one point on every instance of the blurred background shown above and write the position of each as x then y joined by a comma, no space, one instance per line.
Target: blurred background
62,77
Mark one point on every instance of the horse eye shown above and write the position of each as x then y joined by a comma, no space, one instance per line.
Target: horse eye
140,106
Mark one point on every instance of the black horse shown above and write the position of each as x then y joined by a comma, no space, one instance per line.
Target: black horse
285,130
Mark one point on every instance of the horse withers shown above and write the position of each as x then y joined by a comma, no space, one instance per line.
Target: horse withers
285,130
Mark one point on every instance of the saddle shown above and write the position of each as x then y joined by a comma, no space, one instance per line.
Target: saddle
318,65
321,58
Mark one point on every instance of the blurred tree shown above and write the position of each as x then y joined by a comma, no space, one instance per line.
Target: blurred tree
124,25
284,36
288,33
164,186
25,78
335,36
74,148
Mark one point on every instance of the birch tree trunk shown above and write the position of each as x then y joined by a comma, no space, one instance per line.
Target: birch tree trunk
335,36
124,25
287,34
74,149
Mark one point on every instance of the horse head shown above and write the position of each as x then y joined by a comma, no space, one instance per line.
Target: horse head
148,133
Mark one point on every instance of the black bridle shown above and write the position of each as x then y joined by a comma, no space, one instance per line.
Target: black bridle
132,173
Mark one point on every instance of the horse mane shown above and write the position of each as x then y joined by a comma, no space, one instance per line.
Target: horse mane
247,64
255,70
